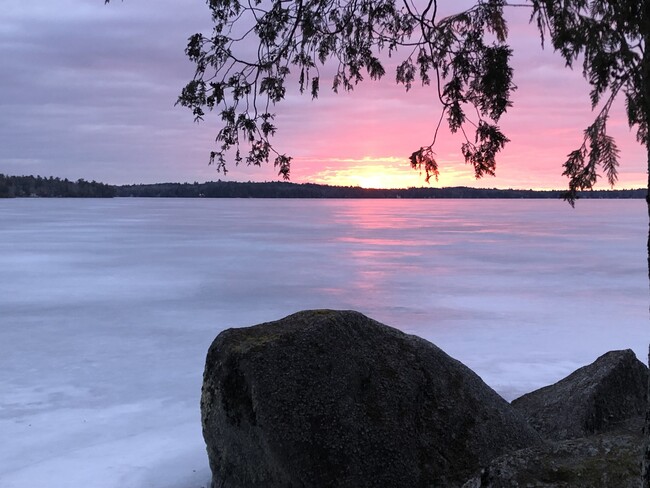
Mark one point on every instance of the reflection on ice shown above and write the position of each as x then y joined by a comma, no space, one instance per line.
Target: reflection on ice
108,307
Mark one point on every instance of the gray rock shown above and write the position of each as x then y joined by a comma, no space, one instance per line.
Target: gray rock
595,398
601,461
333,398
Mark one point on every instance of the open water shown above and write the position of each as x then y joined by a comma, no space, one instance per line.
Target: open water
107,307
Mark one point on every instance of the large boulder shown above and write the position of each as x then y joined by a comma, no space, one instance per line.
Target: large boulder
332,398
595,398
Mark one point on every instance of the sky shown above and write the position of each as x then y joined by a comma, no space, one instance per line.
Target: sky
88,91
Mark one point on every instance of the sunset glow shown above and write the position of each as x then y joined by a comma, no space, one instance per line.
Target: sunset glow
367,173
391,172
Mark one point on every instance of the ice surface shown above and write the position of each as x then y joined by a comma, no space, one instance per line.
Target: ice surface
107,307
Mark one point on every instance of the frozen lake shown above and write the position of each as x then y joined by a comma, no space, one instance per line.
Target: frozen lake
107,307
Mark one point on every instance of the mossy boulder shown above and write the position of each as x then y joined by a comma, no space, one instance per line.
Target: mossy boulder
333,398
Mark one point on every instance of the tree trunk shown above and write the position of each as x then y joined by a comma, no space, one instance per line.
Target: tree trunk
645,464
645,87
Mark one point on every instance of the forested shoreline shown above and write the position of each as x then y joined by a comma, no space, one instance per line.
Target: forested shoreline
53,187
232,189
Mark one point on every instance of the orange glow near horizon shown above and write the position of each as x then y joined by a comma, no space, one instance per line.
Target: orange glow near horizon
517,170
385,174
371,172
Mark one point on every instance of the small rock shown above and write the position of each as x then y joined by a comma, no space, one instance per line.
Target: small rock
607,394
601,461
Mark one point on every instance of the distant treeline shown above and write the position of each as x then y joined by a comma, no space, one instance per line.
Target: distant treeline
37,186
231,189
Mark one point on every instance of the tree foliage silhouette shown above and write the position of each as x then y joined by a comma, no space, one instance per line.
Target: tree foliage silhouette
257,48
609,37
